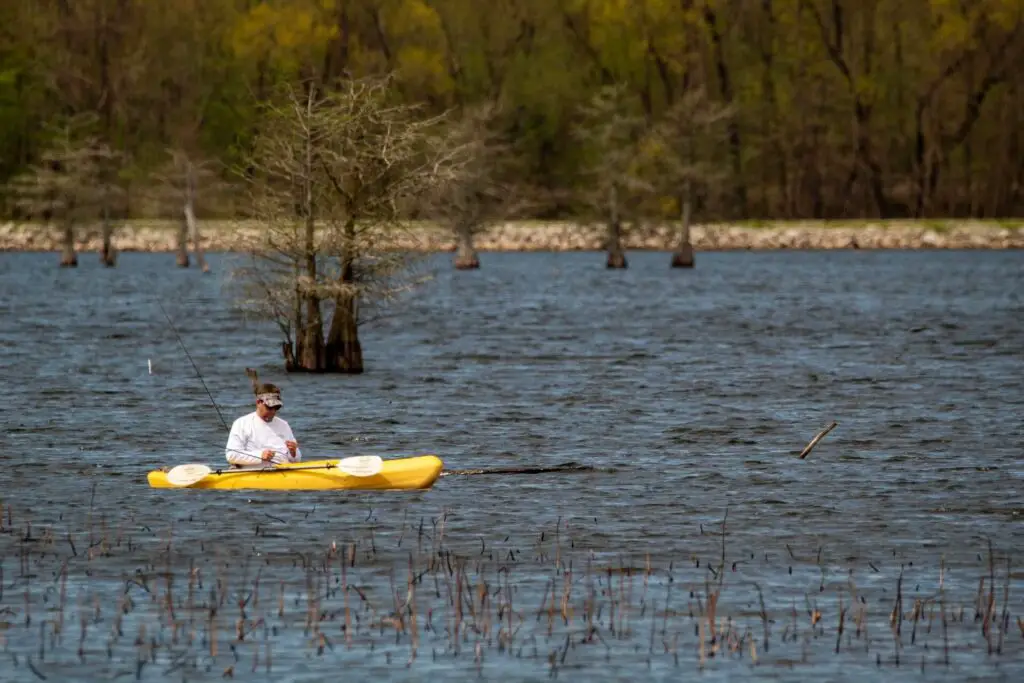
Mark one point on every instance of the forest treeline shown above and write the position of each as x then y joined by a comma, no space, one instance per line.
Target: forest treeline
777,108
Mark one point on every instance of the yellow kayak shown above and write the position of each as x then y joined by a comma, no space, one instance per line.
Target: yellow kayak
419,472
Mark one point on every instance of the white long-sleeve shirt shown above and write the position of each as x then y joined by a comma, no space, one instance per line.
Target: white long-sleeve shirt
250,436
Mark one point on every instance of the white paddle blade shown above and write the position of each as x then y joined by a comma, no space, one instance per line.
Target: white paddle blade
186,475
361,465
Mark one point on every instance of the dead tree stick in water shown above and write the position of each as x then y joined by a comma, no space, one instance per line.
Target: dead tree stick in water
565,467
814,442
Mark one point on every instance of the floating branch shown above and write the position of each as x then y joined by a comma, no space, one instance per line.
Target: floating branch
565,467
814,442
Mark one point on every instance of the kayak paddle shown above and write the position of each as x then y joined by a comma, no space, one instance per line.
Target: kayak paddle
356,466
186,475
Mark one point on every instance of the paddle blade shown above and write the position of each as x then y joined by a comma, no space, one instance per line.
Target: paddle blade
361,465
186,475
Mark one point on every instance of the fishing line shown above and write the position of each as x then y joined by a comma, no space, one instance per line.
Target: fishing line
194,366
199,374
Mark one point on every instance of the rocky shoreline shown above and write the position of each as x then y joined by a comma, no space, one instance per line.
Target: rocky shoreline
225,236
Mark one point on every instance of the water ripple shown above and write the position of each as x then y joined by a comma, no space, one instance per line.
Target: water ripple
695,390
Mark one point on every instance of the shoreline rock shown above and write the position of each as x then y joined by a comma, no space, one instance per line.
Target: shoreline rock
227,236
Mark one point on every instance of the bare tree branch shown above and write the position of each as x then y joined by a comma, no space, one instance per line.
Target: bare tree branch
332,180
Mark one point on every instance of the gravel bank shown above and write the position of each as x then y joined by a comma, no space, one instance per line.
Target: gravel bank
564,236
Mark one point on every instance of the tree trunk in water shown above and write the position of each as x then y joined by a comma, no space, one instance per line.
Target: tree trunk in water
193,230
344,352
683,258
182,259
310,334
190,223
616,257
68,257
307,317
108,255
311,339
466,257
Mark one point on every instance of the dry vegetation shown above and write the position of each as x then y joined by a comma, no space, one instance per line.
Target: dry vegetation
125,599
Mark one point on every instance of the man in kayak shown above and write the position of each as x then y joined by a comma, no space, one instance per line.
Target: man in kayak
261,436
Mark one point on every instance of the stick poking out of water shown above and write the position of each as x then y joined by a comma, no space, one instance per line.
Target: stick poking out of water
564,467
254,377
814,442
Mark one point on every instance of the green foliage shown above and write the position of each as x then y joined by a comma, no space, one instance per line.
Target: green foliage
839,108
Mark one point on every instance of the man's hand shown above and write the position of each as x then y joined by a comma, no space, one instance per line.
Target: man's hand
292,446
267,455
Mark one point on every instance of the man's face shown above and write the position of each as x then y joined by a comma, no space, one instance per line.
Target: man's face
266,412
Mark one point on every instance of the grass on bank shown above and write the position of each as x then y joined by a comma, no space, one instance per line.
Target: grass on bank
947,225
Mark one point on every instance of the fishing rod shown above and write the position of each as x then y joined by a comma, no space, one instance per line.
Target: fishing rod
264,463
194,366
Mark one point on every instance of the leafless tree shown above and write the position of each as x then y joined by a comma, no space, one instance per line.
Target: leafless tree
612,129
75,181
669,158
487,187
178,185
335,173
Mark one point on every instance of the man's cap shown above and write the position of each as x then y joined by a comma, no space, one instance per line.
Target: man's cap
270,395
270,400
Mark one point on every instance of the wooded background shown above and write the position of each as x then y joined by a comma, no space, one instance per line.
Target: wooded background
835,108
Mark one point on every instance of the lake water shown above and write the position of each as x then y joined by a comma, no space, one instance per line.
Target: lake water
688,393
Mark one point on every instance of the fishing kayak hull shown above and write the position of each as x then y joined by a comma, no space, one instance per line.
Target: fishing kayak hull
418,472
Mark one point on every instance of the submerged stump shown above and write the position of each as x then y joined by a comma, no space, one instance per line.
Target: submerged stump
683,256
466,257
616,255
181,253
68,257
467,260
617,259
108,256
